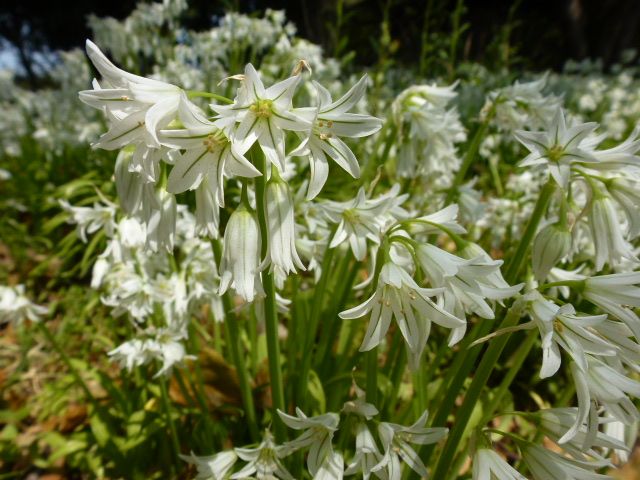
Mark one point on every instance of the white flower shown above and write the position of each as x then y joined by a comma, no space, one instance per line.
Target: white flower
609,386
139,106
627,194
488,465
241,255
558,147
282,256
332,468
606,231
91,219
317,436
427,133
614,294
545,465
129,184
263,461
465,281
367,455
160,213
212,467
208,155
330,121
363,219
207,209
398,295
396,440
360,406
430,224
164,344
560,327
16,307
131,233
263,115
556,422
522,105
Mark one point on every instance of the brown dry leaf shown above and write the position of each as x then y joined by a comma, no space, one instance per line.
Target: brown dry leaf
631,470
72,418
221,385
51,476
29,436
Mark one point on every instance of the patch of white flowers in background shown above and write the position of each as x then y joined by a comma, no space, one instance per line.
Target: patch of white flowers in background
428,130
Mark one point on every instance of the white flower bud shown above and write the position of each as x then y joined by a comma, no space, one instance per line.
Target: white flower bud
128,184
241,255
550,246
282,255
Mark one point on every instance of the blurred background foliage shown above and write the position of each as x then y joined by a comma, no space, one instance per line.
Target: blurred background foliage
427,34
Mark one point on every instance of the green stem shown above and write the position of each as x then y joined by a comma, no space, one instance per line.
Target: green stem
519,257
372,375
232,334
198,93
67,361
469,157
172,427
472,396
314,318
492,354
517,360
270,312
341,279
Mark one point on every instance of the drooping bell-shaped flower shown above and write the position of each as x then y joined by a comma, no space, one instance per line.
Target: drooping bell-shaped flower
241,255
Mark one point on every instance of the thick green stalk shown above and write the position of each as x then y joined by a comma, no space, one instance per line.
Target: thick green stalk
232,335
488,411
472,396
518,359
270,312
327,333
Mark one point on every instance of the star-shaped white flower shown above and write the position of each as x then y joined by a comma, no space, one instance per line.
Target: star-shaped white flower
558,148
263,115
329,121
